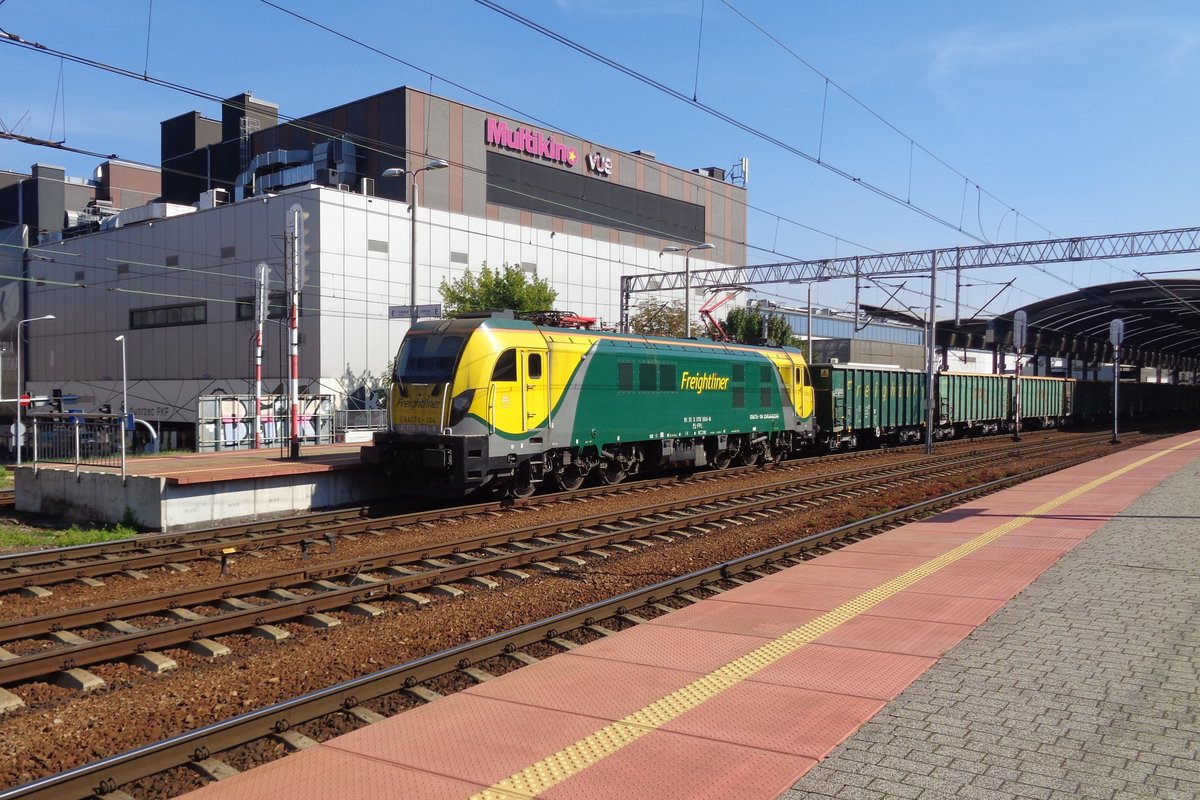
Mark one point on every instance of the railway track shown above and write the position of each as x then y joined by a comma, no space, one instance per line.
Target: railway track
54,646
360,701
45,568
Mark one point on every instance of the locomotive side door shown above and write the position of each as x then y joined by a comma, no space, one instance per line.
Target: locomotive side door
534,369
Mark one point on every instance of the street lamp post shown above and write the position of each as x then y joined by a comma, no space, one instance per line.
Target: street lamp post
124,401
687,281
21,386
396,172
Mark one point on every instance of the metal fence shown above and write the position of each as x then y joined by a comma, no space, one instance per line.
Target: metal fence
93,439
226,421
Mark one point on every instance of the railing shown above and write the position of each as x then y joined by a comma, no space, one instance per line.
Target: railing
93,439
357,425
226,421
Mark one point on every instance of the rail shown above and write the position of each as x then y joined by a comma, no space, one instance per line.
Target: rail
198,745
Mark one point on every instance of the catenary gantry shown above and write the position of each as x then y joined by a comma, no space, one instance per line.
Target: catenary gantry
1162,317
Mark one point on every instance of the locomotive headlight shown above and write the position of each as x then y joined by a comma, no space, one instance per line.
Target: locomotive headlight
459,406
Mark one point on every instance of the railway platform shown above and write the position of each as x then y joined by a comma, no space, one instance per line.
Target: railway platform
1039,642
196,490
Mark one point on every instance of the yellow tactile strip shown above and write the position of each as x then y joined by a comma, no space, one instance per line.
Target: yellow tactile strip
571,760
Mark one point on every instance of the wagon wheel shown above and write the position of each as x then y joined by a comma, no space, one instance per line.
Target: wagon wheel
722,459
748,456
610,472
521,485
569,478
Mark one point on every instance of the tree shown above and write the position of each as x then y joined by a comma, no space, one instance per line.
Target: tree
746,325
509,287
653,318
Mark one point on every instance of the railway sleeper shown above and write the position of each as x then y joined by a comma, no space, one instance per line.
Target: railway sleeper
214,769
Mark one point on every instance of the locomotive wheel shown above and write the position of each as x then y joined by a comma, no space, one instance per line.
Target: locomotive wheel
521,485
610,473
569,478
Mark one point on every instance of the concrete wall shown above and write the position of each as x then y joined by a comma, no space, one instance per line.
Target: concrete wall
93,497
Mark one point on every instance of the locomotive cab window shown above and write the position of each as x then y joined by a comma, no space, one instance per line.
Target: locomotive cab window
506,367
428,358
534,367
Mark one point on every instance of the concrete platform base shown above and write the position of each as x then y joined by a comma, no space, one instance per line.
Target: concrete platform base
158,502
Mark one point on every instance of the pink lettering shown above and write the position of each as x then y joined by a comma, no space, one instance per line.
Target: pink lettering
525,140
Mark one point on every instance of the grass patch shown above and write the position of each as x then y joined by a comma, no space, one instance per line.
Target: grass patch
6,478
33,538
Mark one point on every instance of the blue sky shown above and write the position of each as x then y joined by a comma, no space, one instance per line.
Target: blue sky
1005,120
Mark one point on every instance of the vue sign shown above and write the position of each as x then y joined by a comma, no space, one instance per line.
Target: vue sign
599,164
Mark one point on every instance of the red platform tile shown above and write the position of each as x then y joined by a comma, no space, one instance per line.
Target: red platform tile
911,604
978,578
596,687
769,621
855,558
814,572
913,637
673,765
468,737
846,671
673,648
885,543
789,594
322,773
1030,556
773,717
1021,541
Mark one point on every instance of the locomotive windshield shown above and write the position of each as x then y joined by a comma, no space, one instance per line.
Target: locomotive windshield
428,357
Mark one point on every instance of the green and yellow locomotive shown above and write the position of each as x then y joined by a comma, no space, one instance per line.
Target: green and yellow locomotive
495,403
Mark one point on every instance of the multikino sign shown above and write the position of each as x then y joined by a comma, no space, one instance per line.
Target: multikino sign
531,142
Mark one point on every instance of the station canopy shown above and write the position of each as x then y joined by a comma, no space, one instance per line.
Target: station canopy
1161,325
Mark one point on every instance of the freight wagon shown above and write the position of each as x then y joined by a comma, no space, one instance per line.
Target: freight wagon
863,405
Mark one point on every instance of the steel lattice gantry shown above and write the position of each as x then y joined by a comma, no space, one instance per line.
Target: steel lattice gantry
1174,331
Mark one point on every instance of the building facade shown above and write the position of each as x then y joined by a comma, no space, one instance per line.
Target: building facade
177,277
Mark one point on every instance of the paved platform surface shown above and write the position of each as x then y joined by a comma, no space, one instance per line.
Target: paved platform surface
1086,687
224,465
1087,684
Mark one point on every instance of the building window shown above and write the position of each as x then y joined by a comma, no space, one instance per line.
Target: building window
229,251
168,316
376,246
172,261
527,185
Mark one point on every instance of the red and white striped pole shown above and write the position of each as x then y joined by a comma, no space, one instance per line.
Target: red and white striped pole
260,318
296,251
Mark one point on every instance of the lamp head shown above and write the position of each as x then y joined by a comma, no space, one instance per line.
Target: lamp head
437,163
393,172
671,249
705,246
120,338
